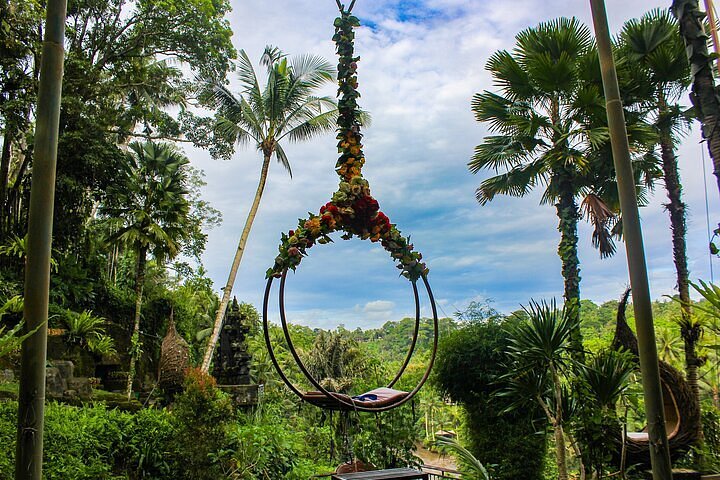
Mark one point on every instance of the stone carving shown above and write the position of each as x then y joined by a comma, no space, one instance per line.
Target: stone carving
232,360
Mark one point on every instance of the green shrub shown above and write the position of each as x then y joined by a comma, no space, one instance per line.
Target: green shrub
145,452
202,415
94,443
711,432
261,451
8,426
387,440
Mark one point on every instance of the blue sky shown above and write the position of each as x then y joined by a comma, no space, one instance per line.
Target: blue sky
421,62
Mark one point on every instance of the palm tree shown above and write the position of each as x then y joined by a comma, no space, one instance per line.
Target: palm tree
668,344
652,43
704,93
540,139
286,109
152,205
335,360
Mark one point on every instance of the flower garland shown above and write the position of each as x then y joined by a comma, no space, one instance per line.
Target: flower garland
352,208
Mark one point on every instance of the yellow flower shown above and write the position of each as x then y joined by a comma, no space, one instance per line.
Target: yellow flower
313,226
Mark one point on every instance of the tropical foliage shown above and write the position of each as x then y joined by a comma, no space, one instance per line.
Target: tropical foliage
151,211
131,227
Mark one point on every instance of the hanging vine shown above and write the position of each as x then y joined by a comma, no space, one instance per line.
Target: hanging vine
352,209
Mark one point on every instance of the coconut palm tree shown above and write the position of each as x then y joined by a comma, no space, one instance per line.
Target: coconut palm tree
652,43
150,200
539,138
285,110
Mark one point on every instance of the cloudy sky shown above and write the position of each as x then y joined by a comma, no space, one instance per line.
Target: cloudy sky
422,61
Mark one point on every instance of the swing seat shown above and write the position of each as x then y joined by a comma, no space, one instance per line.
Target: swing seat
672,418
377,398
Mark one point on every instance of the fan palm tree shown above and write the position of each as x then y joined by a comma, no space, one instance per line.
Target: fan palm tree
285,110
652,43
539,138
152,205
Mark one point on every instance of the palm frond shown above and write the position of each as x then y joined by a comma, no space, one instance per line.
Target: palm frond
472,465
510,76
517,182
283,159
500,151
602,218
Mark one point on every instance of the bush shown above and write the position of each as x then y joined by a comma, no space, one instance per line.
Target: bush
711,431
387,440
202,416
146,449
92,443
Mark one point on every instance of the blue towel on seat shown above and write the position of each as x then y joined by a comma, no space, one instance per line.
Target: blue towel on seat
365,397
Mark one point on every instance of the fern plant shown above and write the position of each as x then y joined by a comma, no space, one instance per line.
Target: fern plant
88,331
10,340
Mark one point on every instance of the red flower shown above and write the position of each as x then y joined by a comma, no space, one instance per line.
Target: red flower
293,251
329,207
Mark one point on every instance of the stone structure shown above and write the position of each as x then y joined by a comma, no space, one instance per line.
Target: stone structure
60,381
232,359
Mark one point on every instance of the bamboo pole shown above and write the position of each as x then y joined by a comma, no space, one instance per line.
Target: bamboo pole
31,404
659,451
710,10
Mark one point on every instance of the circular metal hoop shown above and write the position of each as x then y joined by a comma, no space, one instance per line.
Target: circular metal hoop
342,399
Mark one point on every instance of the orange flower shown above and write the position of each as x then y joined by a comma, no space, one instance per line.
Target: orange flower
313,226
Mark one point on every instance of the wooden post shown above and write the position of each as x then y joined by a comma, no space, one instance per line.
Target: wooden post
652,389
31,404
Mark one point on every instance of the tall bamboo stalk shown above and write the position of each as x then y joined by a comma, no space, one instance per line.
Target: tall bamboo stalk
659,451
31,405
710,10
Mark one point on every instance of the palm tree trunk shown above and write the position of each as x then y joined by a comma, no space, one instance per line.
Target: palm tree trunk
135,338
704,97
4,171
31,399
235,265
568,213
676,208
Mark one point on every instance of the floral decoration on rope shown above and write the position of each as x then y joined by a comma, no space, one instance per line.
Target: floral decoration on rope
352,208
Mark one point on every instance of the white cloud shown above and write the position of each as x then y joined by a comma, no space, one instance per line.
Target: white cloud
417,81
379,306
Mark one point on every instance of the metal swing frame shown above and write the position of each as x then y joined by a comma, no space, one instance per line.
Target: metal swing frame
341,399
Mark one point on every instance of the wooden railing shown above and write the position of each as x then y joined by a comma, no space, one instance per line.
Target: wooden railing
440,473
